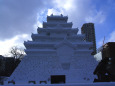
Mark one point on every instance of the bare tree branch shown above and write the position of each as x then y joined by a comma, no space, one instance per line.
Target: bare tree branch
17,53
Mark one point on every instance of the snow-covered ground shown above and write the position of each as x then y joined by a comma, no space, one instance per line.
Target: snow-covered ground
80,84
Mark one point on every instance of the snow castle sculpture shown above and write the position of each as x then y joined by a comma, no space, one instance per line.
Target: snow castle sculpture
57,54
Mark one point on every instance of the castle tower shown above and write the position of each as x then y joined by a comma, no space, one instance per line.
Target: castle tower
89,31
56,55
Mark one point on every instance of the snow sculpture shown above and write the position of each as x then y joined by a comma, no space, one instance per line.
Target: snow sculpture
57,54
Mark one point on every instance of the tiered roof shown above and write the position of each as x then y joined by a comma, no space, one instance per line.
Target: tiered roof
55,30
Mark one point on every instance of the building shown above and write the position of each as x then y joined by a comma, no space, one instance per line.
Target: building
2,65
8,65
89,31
56,55
105,70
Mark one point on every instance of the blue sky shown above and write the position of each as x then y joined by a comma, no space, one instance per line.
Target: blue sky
20,18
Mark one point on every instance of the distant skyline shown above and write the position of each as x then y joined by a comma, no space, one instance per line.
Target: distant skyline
20,18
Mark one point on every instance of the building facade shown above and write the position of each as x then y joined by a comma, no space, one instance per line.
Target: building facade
89,31
105,70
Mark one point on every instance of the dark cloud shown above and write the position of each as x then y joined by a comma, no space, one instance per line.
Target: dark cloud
19,16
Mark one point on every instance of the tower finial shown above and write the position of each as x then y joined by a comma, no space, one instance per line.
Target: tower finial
103,40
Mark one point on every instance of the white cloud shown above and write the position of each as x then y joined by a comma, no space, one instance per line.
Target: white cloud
19,16
111,37
25,18
54,11
96,17
38,24
78,11
65,4
15,41
24,35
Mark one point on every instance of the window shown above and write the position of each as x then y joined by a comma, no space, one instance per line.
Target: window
43,82
57,79
33,82
12,81
48,34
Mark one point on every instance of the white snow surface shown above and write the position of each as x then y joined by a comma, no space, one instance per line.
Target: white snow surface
78,84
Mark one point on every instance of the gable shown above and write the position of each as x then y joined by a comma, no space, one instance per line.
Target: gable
65,42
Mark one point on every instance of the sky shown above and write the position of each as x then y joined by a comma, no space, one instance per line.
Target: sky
20,18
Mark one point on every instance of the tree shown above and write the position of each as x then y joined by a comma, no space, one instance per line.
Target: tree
17,52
